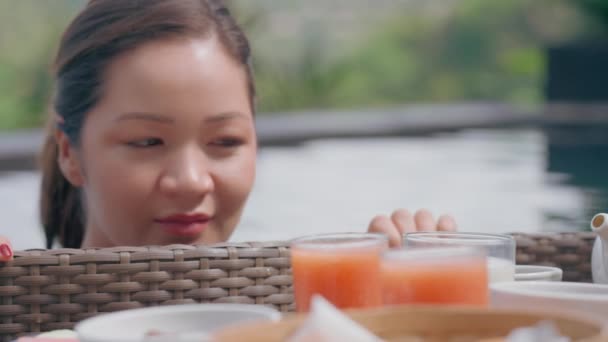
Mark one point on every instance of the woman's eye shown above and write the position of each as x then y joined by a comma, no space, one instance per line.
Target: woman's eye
142,143
228,142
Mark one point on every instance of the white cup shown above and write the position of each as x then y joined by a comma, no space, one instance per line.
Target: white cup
188,322
537,273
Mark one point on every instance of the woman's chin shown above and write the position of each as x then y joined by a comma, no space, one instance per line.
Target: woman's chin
202,239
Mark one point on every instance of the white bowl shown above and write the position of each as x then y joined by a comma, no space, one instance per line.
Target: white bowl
537,273
581,299
190,320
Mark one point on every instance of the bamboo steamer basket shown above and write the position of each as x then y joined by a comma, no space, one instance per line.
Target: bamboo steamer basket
426,323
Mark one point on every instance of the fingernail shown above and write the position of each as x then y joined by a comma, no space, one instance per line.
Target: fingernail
6,250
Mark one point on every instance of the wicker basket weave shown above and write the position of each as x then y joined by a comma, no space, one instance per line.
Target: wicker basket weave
42,290
569,251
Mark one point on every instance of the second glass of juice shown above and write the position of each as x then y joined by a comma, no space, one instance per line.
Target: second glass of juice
446,276
499,248
344,268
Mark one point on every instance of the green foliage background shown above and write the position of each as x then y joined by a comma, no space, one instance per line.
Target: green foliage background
441,51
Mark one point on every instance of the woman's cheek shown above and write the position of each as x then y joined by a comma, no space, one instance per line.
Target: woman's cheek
238,176
123,183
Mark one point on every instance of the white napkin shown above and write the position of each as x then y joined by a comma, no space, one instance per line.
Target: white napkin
543,331
64,333
325,323
178,337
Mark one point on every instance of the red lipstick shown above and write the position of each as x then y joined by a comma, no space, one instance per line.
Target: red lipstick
183,224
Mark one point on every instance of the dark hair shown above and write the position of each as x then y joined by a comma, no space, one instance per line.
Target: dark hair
104,30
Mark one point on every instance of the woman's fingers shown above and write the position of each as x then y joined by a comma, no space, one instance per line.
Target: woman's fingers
404,221
425,221
6,250
382,224
446,223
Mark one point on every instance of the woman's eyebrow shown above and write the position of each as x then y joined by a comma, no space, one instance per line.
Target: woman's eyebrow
226,116
145,116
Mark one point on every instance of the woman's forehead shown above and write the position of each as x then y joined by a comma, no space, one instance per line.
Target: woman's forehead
174,59
176,75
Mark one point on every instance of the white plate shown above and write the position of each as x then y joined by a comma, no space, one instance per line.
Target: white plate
537,273
192,320
581,299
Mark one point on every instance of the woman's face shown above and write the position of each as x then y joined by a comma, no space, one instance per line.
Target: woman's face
168,154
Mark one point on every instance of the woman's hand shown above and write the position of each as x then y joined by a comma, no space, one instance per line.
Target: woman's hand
402,221
6,250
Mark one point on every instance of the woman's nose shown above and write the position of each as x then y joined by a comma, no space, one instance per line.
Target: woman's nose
189,174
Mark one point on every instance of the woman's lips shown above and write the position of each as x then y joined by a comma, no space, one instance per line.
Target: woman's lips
184,225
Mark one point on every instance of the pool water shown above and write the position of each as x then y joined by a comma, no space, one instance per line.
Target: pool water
489,180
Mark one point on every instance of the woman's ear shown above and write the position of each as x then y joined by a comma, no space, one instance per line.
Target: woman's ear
68,160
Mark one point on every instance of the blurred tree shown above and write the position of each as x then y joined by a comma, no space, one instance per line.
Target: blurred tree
576,68
28,38
29,33
482,51
597,9
435,51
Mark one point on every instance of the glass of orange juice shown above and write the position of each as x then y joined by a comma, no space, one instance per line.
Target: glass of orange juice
344,268
442,275
499,249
